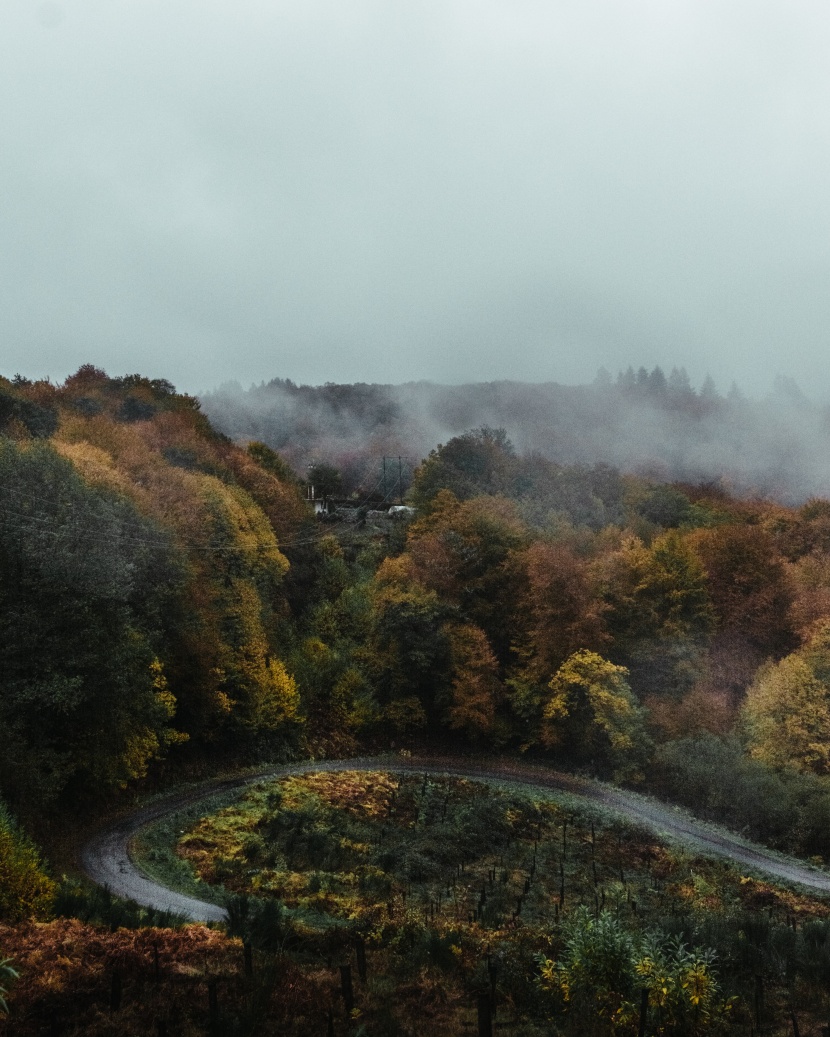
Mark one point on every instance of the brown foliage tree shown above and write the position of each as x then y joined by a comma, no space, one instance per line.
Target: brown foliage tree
561,607
751,593
466,553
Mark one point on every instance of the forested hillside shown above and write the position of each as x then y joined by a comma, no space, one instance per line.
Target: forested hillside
645,421
170,606
142,588
167,595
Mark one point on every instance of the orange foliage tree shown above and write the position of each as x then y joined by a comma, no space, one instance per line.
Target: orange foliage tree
751,595
476,690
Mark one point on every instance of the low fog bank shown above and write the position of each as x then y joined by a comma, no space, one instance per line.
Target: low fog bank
644,423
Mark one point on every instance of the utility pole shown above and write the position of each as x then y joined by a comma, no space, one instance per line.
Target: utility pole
400,481
384,480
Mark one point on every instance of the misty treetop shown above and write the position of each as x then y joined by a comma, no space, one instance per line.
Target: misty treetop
683,597
646,421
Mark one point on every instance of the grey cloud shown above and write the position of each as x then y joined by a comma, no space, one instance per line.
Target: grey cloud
387,192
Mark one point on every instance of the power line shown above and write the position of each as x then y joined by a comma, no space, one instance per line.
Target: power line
122,537
396,461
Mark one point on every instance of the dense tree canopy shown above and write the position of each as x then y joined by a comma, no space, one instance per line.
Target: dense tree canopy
169,606
140,579
167,594
660,613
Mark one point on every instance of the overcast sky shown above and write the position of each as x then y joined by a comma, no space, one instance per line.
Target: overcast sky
349,190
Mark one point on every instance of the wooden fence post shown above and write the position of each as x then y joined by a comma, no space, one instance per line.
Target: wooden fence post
213,1005
115,992
643,1011
485,1016
360,950
346,987
759,1003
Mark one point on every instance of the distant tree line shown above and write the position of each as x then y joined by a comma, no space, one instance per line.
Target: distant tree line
647,421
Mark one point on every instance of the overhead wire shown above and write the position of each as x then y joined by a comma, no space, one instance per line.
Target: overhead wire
124,537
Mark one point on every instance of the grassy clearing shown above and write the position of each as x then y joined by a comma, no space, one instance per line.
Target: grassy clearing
343,838
446,888
153,848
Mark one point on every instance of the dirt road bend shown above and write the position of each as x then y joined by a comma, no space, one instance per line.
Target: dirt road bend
106,858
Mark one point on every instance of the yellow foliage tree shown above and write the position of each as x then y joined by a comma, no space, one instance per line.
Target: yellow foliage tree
278,701
593,714
150,741
25,891
786,715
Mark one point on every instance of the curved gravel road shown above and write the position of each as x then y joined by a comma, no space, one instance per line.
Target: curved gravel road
106,857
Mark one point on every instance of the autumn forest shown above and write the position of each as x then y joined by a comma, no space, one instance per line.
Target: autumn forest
172,609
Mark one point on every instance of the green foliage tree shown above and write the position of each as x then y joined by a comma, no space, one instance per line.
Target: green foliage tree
597,981
24,417
83,583
271,461
408,653
471,465
326,480
715,778
666,506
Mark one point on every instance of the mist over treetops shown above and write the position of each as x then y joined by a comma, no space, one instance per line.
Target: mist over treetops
645,422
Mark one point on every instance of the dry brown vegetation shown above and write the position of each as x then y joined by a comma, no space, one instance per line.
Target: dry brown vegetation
70,974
